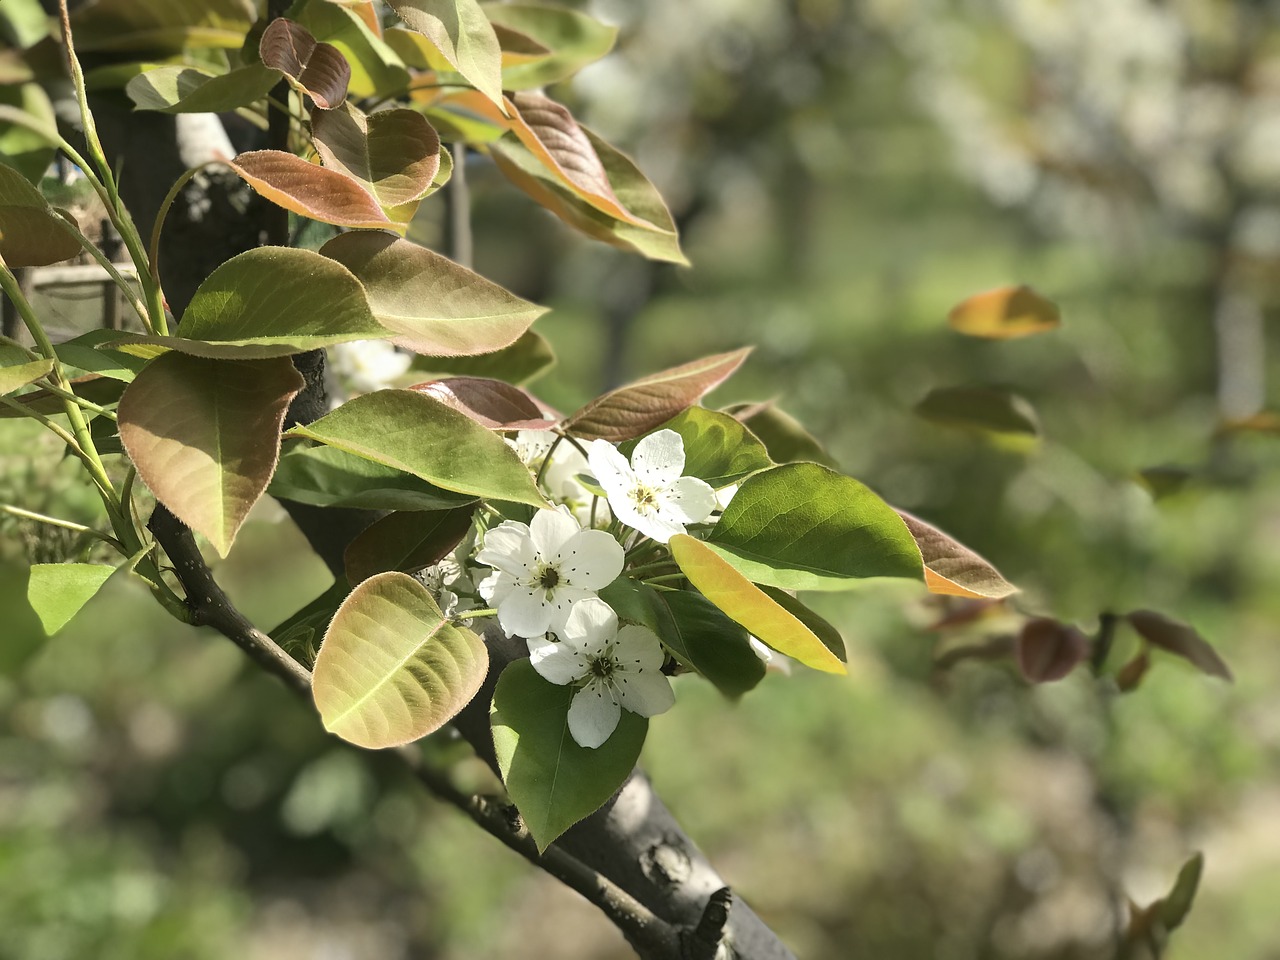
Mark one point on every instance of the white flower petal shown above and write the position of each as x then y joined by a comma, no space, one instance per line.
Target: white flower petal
610,468
659,526
689,500
509,547
557,662
591,559
591,626
658,459
550,530
593,715
638,648
495,587
725,495
561,603
647,694
524,612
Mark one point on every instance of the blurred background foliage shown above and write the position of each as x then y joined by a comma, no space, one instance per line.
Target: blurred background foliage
844,173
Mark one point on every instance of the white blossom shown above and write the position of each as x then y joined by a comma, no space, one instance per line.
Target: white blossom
773,661
649,493
542,568
364,366
617,669
560,478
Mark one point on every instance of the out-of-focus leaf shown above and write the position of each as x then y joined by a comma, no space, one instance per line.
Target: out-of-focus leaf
1047,650
1132,673
491,403
27,151
310,190
801,526
985,409
554,781
182,89
329,477
417,434
317,69
205,436
463,35
1004,314
1164,481
1180,640
520,363
376,70
18,375
391,668
57,591
100,390
644,404
32,234
782,435
393,154
161,26
23,23
573,40
407,542
953,569
703,637
1175,906
747,604
429,303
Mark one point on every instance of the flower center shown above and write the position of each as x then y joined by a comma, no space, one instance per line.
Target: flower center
548,578
644,498
601,668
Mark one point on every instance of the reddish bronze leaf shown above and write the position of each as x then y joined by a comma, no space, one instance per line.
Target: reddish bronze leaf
318,69
493,403
394,154
1048,650
309,190
1180,640
953,569
638,407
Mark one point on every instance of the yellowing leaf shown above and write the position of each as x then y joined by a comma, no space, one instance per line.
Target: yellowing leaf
20,374
1004,314
463,35
951,568
748,605
310,190
393,154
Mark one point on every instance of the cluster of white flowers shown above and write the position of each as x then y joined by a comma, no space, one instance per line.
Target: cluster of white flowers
545,575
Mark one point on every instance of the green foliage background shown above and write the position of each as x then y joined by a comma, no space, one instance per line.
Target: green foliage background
159,799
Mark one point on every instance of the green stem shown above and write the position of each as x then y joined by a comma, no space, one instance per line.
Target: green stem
91,248
646,569
56,522
153,249
546,461
79,401
665,577
474,614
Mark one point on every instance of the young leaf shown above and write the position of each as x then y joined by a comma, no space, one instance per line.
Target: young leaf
703,637
641,406
953,569
57,591
32,234
571,38
329,477
183,89
430,304
205,435
748,605
393,154
490,403
520,363
463,35
1180,640
317,69
20,374
376,70
984,409
553,781
407,542
782,435
800,526
1004,314
1047,650
309,190
391,668
717,448
422,436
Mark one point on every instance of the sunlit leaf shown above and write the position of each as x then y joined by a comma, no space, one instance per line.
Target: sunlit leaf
100,390
819,626
703,637
553,781
573,40
985,409
1047,650
310,190
329,477
18,375
1180,640
182,89
317,69
205,435
429,303
717,448
393,154
801,526
748,605
644,404
1004,313
23,22
782,435
491,403
953,569
391,668
407,542
92,352
462,34
525,360
57,591
32,234
419,435
376,70
155,26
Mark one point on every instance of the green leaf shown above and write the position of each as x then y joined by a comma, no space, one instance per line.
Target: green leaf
419,435
376,70
317,69
633,410
29,152
310,190
93,352
23,23
182,89
32,234
329,477
393,154
1180,640
429,303
782,435
1004,314
819,626
703,637
166,26
951,568
391,668
302,631
463,35
991,410
744,602
205,435
407,542
93,388
57,591
573,39
801,526
522,362
717,448
552,780
16,376
1173,909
